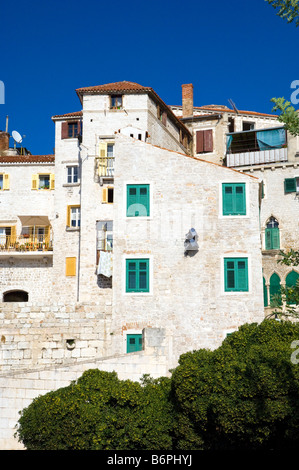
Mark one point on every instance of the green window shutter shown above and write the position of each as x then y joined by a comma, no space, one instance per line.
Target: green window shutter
138,201
242,275
275,288
131,276
272,239
265,293
234,199
144,197
227,199
268,238
291,281
236,274
275,238
240,205
290,185
137,275
134,343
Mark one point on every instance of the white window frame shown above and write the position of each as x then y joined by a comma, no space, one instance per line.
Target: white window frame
71,167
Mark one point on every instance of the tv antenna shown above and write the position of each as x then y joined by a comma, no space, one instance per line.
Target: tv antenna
233,106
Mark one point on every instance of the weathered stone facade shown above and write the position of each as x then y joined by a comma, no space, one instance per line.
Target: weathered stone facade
78,318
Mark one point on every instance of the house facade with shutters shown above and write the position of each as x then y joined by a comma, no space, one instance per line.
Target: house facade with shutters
257,144
149,241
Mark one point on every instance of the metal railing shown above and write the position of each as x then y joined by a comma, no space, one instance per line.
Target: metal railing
23,243
106,166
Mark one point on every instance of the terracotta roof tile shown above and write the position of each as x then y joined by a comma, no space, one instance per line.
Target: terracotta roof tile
27,159
74,114
113,87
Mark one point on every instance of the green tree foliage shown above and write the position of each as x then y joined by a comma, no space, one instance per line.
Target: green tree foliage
97,412
286,304
287,10
244,395
289,116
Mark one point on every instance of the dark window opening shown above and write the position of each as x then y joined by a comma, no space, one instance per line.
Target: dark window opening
110,194
248,126
231,125
15,296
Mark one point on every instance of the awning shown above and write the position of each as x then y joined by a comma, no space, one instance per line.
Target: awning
34,220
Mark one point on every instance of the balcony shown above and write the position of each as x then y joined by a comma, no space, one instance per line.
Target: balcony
25,245
256,147
106,167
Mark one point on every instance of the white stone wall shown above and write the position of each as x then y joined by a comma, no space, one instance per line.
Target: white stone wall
19,388
187,295
31,272
285,208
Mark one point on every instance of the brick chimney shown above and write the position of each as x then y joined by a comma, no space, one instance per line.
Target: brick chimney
4,141
187,100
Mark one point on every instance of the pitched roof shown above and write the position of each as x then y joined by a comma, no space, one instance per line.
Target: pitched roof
68,115
124,86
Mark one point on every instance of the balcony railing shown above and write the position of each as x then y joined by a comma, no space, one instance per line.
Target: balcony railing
257,157
25,244
259,146
106,166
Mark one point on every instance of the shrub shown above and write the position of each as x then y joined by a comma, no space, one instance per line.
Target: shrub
244,395
99,411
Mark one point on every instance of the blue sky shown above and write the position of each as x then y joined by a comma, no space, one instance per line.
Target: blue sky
237,50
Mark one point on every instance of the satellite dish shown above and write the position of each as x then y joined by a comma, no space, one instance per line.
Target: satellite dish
16,137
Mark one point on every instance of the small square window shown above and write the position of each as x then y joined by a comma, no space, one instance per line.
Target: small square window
116,101
134,342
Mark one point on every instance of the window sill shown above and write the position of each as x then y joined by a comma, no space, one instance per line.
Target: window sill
70,185
72,229
138,293
271,252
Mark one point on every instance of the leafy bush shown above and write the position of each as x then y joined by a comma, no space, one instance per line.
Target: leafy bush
244,395
99,411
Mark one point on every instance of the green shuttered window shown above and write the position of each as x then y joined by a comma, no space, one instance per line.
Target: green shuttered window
234,199
290,185
138,200
272,241
137,275
236,274
134,343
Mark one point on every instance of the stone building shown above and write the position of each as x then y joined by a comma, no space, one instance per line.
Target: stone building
139,240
